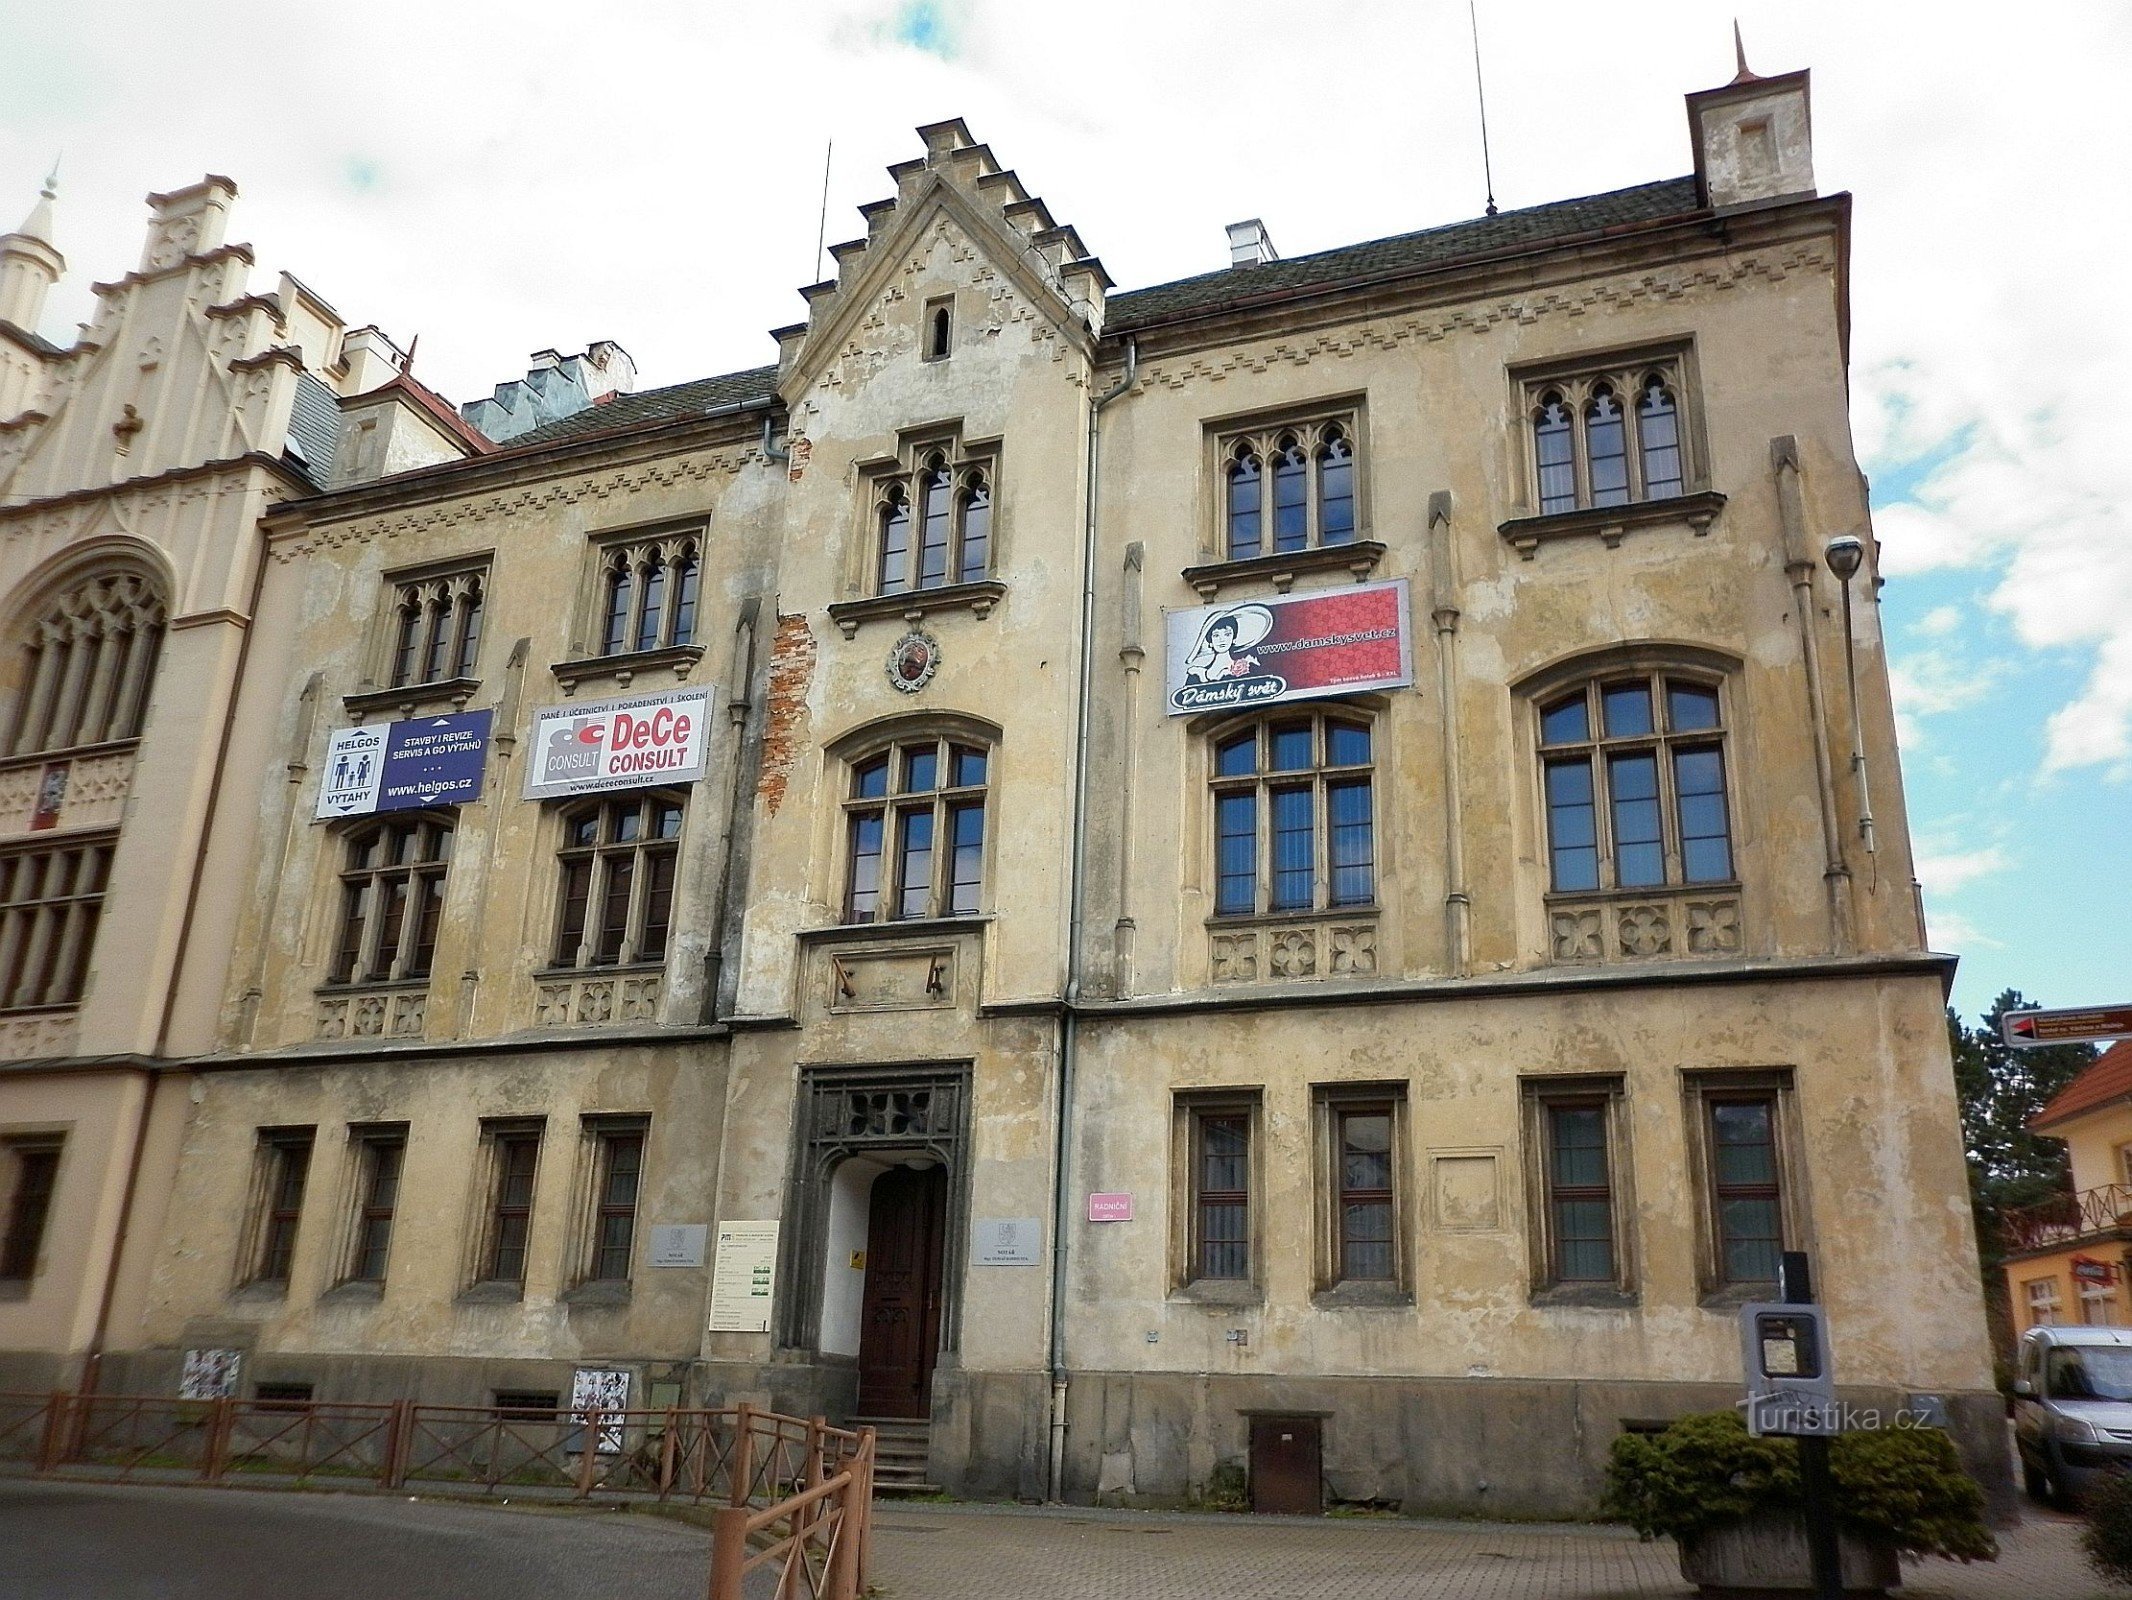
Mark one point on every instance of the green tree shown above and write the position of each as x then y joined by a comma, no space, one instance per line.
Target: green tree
2001,1089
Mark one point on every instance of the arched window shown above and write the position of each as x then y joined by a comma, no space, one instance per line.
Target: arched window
619,860
1294,814
976,528
1606,447
1554,452
621,591
392,899
688,576
1291,496
651,588
1245,491
437,627
935,524
914,822
1634,774
1336,488
939,328
1658,436
90,664
895,541
653,575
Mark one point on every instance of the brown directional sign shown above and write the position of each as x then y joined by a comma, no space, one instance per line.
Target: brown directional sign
2025,1030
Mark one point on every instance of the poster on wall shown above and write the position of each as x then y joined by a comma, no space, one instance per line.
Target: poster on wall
406,765
743,1276
630,743
210,1374
1288,647
599,1389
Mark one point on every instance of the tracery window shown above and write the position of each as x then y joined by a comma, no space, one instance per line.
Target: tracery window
1294,814
1289,488
619,861
933,525
51,901
1633,768
649,592
914,820
392,900
1607,437
437,621
91,663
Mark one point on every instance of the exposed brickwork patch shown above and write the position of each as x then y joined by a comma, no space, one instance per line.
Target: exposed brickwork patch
791,672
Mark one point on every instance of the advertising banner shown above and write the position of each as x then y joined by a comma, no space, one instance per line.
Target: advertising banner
406,765
630,743
1289,647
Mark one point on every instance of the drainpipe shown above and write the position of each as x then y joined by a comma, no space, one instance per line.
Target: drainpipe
1069,1032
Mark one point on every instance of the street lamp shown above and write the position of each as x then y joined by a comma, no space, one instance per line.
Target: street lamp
1845,554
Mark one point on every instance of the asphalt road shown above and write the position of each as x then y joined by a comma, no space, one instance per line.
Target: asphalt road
71,1541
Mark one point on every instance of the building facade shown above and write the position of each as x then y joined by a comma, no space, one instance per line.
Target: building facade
1268,880
2067,1258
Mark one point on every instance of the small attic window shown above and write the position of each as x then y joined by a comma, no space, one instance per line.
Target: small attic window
939,329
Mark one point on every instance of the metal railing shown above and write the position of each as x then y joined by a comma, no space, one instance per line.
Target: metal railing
2066,1217
793,1495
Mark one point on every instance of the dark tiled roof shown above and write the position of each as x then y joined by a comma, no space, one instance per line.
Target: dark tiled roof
1406,252
670,404
314,425
36,341
2107,1078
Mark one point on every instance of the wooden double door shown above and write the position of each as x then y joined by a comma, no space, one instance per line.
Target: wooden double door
899,1329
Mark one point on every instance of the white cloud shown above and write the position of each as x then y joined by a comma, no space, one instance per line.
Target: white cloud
1943,870
1938,622
1950,930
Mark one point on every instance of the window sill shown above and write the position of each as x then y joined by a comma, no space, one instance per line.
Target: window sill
491,1293
355,1292
905,928
599,1292
1362,1294
1283,919
412,699
913,604
1610,523
261,1290
1220,1292
622,670
1592,1296
1732,1296
1359,556
78,752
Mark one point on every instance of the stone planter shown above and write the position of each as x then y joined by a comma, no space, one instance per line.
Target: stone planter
1766,1554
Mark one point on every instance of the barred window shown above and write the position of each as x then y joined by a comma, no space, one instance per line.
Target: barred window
392,900
933,524
1294,815
1362,1138
437,623
51,901
619,862
1219,1153
915,828
1607,437
649,593
1577,1161
1289,488
1634,774
90,664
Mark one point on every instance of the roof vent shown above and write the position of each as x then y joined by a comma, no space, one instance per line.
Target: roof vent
1250,245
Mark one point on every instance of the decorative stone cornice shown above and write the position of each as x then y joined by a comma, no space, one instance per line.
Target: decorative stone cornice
914,605
1611,523
1281,569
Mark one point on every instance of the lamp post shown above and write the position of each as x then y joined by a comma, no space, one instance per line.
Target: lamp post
1845,555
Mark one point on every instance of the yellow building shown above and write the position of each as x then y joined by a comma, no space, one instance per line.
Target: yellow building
2067,1258
1270,877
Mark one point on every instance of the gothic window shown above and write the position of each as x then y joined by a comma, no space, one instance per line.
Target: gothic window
1633,772
914,820
1607,437
436,632
939,329
90,664
932,524
1289,487
51,901
1294,814
392,900
648,593
619,862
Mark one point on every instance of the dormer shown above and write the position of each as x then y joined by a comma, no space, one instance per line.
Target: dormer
1754,139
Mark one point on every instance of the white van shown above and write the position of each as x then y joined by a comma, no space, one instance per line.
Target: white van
2072,1408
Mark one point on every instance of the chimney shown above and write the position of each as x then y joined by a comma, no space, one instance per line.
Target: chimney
1250,245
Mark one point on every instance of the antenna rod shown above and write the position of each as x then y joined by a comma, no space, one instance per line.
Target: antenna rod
821,232
1480,93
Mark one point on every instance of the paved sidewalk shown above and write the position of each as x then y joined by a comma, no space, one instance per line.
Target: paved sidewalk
935,1552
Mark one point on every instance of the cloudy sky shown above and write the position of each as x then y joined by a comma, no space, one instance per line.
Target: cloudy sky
502,177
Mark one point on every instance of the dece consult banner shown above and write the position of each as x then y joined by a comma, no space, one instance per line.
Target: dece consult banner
1290,647
631,743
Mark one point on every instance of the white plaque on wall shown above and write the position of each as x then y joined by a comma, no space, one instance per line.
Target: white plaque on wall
743,1277
1008,1242
678,1244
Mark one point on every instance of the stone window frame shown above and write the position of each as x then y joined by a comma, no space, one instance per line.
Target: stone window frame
1577,380
23,1240
970,464
48,934
1538,1094
485,1239
440,606
1214,734
599,1135
1258,432
92,644
365,1144
2049,1304
937,336
1190,1110
563,816
842,760
1330,1103
638,548
273,1224
357,889
1701,1087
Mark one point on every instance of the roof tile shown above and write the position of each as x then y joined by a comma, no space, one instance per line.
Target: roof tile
2107,1078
